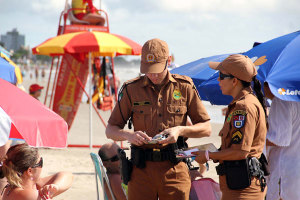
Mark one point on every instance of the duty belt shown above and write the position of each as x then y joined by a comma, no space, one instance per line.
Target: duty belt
139,156
157,155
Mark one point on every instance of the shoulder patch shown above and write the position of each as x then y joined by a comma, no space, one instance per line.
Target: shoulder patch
236,137
229,117
239,117
236,112
120,96
239,112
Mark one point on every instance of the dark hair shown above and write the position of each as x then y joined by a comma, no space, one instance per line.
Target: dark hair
102,154
259,93
17,160
257,90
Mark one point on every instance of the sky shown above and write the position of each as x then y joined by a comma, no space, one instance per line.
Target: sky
193,29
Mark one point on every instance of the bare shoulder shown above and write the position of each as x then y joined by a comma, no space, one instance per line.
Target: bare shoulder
20,194
115,178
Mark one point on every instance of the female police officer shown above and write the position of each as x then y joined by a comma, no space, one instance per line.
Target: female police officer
243,133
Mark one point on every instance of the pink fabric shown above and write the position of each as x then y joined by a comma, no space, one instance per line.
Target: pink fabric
37,124
205,189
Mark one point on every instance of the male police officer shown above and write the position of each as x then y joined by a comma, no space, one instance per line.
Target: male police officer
158,103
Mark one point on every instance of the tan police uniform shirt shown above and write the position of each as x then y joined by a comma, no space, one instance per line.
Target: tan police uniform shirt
244,129
155,110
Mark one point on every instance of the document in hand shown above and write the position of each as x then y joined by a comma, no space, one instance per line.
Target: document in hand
187,153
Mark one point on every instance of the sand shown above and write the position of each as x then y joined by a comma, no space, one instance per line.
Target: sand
78,161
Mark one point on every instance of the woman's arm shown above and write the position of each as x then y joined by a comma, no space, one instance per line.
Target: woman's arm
226,154
55,184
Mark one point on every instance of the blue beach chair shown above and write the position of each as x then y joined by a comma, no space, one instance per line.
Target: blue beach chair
101,174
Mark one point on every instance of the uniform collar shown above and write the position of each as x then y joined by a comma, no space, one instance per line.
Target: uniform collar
147,82
242,94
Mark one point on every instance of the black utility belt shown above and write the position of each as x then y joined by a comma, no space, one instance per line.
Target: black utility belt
139,156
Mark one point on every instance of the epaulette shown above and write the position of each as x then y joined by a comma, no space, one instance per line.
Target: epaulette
133,80
184,78
125,84
188,80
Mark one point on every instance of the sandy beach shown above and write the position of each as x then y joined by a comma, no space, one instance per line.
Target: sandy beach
78,161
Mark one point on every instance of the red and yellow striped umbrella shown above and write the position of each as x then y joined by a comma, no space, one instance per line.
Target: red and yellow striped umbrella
100,43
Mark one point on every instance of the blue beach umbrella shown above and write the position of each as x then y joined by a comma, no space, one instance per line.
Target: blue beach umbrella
278,63
7,71
199,71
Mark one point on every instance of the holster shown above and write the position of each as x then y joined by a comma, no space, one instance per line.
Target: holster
237,173
126,167
264,164
138,157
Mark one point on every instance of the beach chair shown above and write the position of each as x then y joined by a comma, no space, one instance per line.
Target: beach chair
101,174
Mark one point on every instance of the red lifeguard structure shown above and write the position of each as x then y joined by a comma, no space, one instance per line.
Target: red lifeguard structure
77,25
71,74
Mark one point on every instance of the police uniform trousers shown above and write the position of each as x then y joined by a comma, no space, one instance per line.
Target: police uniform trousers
160,179
253,192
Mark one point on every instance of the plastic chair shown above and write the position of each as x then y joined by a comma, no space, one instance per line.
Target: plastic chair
101,174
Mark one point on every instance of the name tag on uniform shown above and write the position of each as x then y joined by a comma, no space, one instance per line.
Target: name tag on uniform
142,103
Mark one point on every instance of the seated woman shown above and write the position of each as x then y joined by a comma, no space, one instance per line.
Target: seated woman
85,10
22,168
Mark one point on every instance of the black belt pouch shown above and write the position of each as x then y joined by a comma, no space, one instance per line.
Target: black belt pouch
126,167
237,174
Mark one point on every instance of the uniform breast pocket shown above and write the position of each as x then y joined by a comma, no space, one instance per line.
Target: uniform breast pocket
178,114
142,119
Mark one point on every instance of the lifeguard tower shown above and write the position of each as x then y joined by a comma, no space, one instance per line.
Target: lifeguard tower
73,72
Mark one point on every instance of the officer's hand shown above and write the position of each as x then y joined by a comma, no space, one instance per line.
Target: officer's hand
172,135
138,138
200,157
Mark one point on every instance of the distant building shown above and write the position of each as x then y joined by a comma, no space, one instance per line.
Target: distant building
13,40
4,51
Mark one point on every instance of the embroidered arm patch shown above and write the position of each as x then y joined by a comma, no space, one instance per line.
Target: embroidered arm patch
239,117
236,137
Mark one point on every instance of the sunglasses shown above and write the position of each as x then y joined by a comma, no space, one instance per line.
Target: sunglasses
112,159
39,164
223,76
